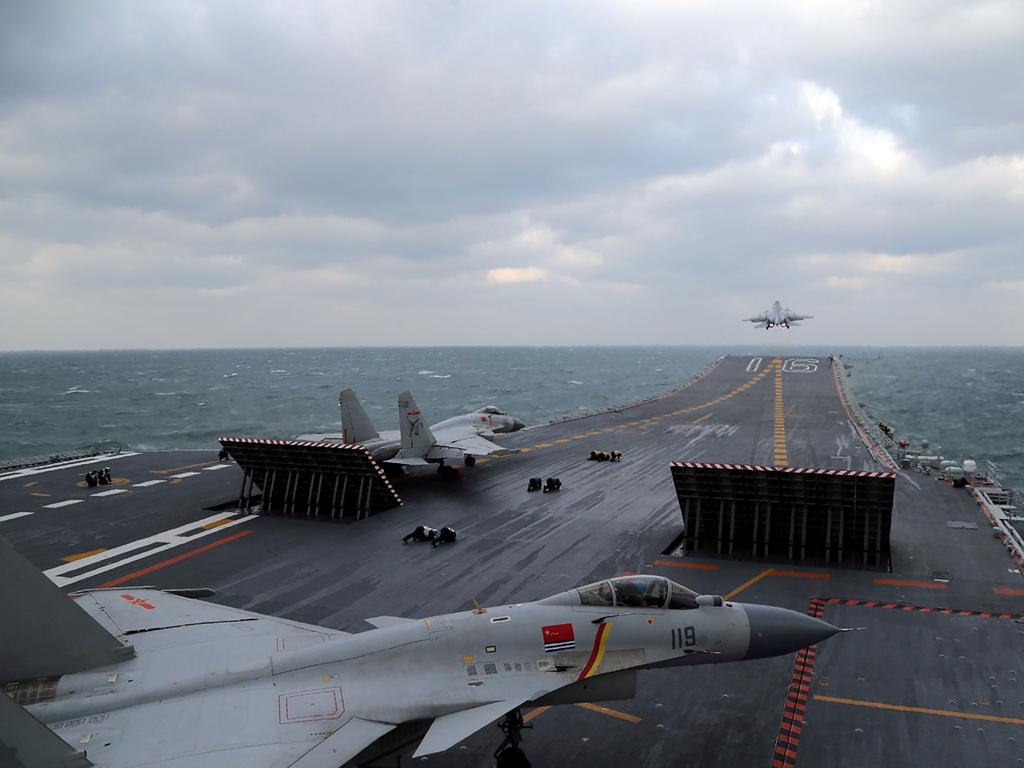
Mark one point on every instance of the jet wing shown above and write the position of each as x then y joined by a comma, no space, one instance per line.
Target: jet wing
474,445
131,611
344,744
448,730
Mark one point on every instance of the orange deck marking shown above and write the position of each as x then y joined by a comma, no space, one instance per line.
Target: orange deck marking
29,485
40,493
911,583
1008,591
695,566
176,559
802,574
82,555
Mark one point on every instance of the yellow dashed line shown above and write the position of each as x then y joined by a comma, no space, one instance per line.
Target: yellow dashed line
781,452
40,493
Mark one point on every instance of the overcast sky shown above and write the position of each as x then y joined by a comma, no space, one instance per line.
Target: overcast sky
290,174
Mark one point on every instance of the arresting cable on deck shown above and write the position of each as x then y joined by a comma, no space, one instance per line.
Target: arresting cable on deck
798,513
308,479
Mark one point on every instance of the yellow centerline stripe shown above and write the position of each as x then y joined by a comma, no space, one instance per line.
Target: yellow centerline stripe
217,523
920,710
747,583
81,555
608,711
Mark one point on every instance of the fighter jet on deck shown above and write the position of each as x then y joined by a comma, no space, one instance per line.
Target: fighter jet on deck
785,318
137,676
460,438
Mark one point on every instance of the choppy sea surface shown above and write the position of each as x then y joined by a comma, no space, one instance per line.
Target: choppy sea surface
968,401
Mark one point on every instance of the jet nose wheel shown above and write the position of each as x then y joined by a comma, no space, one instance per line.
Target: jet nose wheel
508,754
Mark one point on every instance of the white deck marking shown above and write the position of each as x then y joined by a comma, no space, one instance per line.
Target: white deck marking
217,466
168,540
13,516
29,471
184,475
111,492
59,504
148,483
753,365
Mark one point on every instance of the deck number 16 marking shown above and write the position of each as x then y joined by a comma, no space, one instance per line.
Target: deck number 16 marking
800,365
685,637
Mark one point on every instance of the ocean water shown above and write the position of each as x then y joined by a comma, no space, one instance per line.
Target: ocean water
969,401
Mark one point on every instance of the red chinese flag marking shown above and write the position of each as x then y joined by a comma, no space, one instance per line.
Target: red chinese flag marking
558,637
558,633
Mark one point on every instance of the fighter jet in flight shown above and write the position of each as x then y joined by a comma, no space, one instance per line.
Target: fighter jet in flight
138,676
460,438
785,318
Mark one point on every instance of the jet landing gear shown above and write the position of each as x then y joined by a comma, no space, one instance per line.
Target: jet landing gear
448,472
508,754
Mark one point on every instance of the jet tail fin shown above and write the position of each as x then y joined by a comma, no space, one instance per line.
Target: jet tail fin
417,439
356,426
49,634
24,741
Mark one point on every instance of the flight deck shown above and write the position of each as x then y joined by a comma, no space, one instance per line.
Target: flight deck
930,677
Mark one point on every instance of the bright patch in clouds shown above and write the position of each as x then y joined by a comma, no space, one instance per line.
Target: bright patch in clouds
841,283
508,275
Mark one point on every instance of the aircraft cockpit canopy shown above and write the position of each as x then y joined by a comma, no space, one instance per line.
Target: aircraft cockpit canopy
638,592
493,410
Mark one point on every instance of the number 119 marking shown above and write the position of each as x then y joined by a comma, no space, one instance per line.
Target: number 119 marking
685,637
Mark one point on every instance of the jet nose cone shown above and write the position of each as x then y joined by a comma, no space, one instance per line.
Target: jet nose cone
517,425
777,631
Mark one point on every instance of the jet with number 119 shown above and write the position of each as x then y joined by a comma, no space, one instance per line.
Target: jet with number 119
137,676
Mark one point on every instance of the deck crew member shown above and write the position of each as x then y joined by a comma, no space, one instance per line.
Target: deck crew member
422,533
448,535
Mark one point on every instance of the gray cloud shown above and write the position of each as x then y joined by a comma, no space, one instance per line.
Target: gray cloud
437,172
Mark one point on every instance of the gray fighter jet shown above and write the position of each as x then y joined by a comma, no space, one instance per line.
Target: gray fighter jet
460,438
137,676
777,316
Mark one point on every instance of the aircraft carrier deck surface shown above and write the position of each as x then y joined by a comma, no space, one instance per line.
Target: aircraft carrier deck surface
920,685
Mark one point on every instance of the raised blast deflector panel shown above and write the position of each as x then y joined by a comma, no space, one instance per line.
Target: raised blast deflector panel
794,513
298,478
